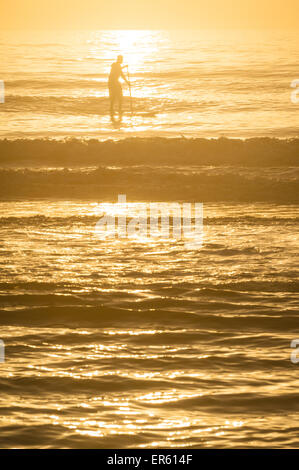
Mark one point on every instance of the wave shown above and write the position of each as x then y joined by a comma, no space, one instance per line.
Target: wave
98,81
94,101
91,220
273,286
259,152
236,402
146,184
257,169
89,105
205,315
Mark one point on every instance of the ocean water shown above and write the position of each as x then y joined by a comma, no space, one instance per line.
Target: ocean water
145,342
142,343
191,83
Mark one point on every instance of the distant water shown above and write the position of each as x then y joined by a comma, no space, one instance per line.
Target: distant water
183,83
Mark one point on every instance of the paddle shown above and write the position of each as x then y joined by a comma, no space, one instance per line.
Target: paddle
131,101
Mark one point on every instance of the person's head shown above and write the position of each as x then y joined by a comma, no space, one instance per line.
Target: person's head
120,59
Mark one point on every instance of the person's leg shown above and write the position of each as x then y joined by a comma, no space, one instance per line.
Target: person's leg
120,100
112,100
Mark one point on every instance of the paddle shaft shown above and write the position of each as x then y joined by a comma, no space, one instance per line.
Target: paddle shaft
131,101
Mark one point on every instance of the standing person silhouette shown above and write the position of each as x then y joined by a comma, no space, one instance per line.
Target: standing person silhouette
115,89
